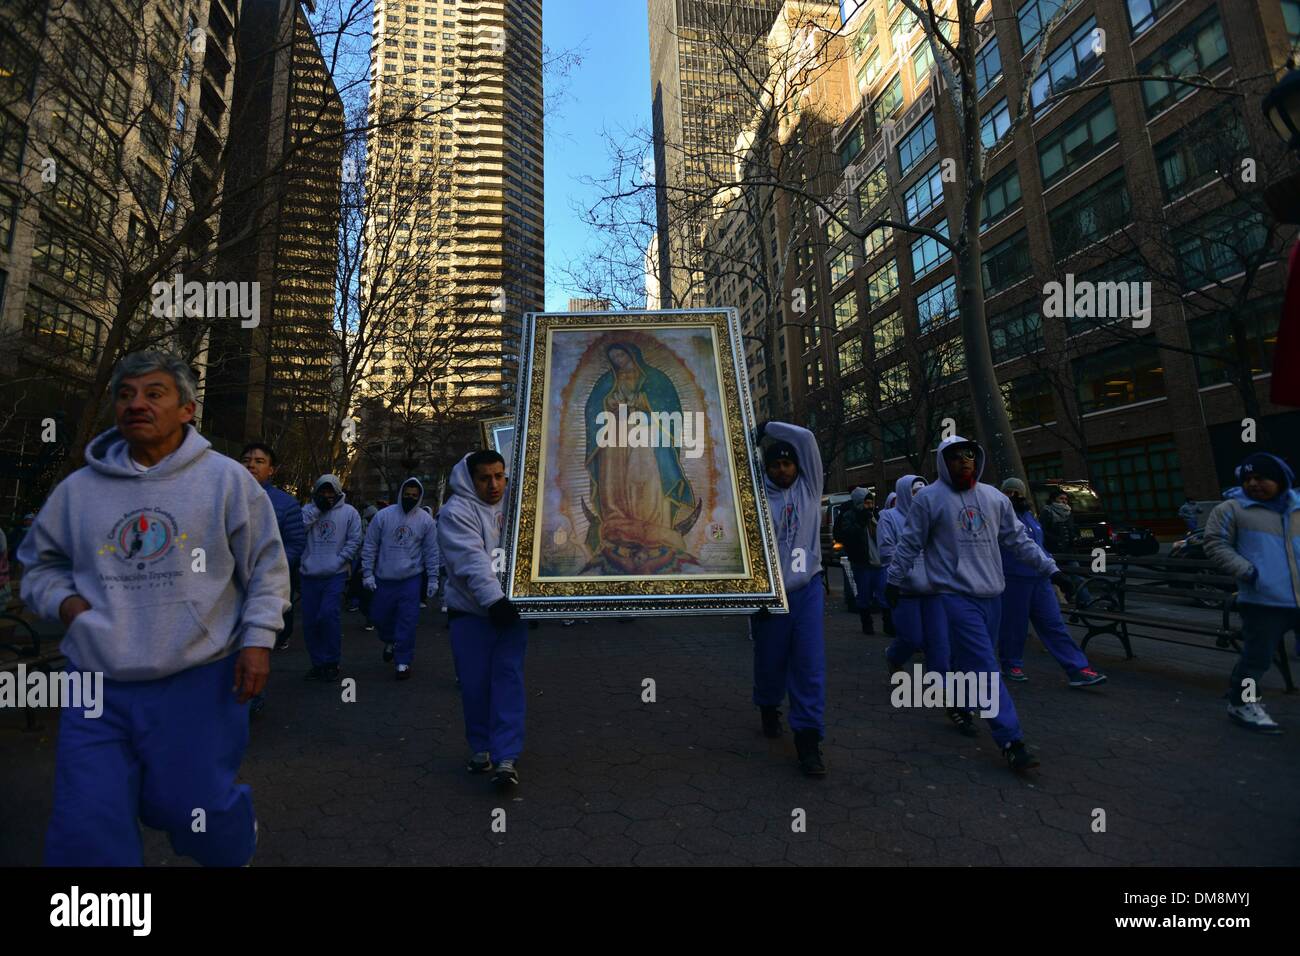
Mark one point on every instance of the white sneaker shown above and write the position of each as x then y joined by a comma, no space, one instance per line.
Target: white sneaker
1253,717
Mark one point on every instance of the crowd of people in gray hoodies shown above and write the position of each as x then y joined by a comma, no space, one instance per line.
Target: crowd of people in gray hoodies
177,599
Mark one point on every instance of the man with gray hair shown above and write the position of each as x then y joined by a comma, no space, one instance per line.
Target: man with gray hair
163,561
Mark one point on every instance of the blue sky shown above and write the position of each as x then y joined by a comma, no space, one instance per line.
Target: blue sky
609,90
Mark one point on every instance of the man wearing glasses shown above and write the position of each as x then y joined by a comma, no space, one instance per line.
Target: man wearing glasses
961,525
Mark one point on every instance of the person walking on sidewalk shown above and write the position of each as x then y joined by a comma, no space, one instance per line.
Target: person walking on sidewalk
856,530
259,459
1255,536
1030,597
333,538
919,620
401,544
163,561
789,649
488,640
957,526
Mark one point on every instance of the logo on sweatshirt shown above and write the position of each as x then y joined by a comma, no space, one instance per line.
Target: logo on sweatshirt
972,519
325,529
402,534
143,537
789,520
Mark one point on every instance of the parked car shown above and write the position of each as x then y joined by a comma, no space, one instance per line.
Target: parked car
1095,528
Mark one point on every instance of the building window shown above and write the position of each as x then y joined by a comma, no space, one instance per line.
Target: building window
937,305
1029,401
1291,16
1140,480
57,325
994,124
17,68
1197,49
928,253
902,28
1120,375
841,266
1216,347
888,103
846,311
869,73
1143,14
1034,17
78,199
855,401
1069,65
187,70
148,187
896,437
1082,136
1044,468
882,283
988,67
1007,263
945,362
887,334
1001,196
872,189
876,240
923,195
914,147
852,147
857,451
866,34
1220,244
181,110
1016,332
8,219
13,137
1200,153
1090,214
849,355
922,61
1113,283
892,384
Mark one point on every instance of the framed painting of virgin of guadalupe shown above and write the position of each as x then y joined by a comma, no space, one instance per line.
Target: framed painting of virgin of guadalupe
637,488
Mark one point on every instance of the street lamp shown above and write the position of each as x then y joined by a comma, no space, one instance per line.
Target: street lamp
1282,108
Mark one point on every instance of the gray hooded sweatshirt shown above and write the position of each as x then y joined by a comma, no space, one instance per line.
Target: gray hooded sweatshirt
400,544
796,511
333,538
468,532
892,523
957,533
182,563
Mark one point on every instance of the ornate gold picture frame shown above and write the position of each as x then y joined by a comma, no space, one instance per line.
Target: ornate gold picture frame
499,435
636,485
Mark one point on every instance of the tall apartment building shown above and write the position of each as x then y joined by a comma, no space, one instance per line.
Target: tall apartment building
112,118
704,56
1112,185
589,305
283,181
457,85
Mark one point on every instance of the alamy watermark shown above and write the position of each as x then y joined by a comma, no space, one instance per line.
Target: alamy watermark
62,689
964,690
210,300
684,430
1084,299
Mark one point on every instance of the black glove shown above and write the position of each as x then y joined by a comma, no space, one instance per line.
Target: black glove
503,613
323,503
760,431
1062,581
891,595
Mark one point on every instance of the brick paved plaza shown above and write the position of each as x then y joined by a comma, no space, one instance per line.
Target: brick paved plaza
607,779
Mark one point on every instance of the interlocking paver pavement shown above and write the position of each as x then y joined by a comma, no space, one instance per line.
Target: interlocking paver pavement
689,779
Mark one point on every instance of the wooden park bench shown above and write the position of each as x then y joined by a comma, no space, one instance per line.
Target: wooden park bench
1160,580
22,644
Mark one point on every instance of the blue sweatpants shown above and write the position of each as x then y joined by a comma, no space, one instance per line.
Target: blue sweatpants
972,622
790,657
395,611
490,665
160,751
1034,599
878,581
919,624
862,583
321,629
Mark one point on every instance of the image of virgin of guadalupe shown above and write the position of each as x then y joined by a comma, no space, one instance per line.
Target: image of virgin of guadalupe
642,504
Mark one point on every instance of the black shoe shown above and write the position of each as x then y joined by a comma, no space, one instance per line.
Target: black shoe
808,744
257,704
479,763
1018,756
867,626
887,620
506,775
964,721
282,644
369,626
316,673
331,673
388,653
771,721
403,672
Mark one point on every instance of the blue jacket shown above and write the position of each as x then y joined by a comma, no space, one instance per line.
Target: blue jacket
963,534
288,516
1013,566
1259,543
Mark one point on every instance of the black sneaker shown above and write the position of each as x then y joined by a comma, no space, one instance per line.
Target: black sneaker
369,626
331,673
403,671
506,775
316,673
887,620
479,763
868,627
1018,756
808,744
964,721
771,721
389,650
282,644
